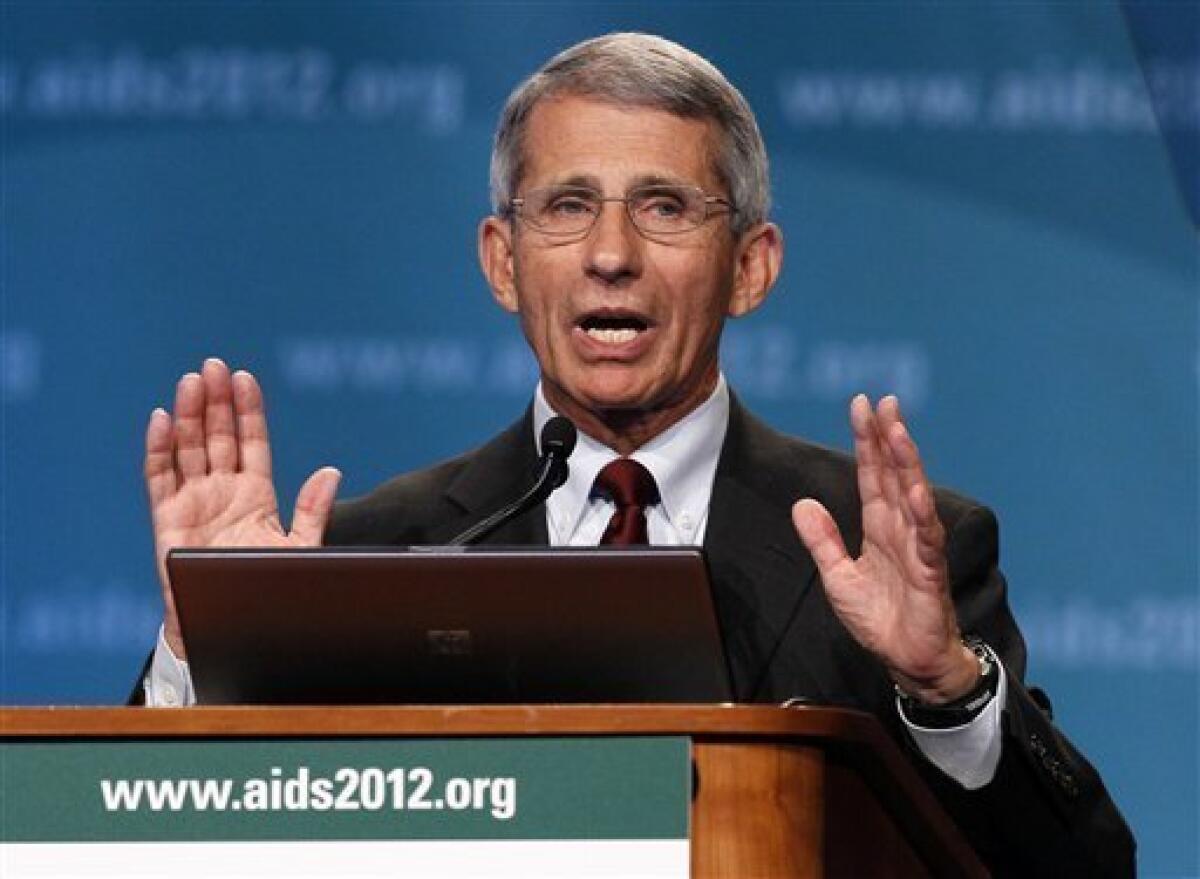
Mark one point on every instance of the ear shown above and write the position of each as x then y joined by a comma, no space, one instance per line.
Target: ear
496,260
759,258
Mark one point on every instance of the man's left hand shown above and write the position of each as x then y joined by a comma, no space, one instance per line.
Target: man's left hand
895,597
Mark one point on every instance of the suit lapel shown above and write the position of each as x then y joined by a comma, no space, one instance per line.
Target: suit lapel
494,477
763,576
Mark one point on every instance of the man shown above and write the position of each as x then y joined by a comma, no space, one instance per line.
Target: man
630,190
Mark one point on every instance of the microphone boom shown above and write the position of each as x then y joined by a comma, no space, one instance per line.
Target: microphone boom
557,442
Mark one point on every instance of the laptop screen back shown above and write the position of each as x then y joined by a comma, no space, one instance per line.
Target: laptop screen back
439,626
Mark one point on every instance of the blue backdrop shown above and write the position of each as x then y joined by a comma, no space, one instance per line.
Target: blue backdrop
981,212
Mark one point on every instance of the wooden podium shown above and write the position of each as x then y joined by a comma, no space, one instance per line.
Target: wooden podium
777,792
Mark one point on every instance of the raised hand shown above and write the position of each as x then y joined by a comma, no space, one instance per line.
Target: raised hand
895,597
208,475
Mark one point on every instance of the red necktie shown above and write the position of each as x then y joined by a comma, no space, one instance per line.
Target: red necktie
632,489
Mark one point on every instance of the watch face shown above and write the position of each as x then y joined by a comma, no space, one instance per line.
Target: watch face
988,663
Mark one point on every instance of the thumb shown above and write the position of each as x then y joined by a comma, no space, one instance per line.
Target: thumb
313,505
820,535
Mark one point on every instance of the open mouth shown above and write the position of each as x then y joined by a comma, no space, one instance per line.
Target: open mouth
613,329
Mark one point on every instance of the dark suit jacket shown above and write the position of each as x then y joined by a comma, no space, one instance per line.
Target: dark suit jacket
1045,813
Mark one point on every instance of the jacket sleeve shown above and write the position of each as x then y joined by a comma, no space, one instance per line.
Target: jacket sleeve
1046,812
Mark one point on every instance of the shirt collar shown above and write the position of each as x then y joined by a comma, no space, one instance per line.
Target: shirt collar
683,460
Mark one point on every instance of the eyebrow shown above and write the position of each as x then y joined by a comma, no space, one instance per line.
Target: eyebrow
590,181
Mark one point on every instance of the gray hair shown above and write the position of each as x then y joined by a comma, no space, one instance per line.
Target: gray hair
640,70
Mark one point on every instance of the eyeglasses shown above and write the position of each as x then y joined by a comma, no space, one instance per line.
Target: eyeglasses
658,209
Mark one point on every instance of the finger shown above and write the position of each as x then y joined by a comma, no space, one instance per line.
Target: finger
820,535
876,481
910,472
866,450
191,459
313,505
885,416
159,467
220,442
930,545
920,509
254,444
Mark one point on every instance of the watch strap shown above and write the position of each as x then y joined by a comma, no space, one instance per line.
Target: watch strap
964,709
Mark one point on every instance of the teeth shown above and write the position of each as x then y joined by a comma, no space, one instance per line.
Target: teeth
612,336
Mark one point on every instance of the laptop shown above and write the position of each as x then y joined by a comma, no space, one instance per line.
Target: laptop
449,625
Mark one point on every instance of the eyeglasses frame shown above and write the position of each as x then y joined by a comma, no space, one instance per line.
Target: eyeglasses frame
517,202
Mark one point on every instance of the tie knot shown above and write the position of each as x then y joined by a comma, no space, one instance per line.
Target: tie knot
628,483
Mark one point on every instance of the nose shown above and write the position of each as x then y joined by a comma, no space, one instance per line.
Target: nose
613,248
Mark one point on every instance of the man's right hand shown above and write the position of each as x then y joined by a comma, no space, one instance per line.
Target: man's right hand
208,474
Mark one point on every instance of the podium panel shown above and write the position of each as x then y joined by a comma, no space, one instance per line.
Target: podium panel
517,806
622,790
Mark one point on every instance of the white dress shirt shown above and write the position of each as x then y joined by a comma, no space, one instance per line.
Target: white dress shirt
683,461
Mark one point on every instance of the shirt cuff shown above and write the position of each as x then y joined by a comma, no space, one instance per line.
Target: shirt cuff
168,684
969,753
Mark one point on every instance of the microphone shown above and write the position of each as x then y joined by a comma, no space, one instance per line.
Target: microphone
558,441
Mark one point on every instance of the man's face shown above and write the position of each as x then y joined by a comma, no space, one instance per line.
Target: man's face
621,324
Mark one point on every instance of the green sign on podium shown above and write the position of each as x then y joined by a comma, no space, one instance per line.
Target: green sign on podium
348,808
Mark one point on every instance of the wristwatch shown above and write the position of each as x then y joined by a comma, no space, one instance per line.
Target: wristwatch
965,708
